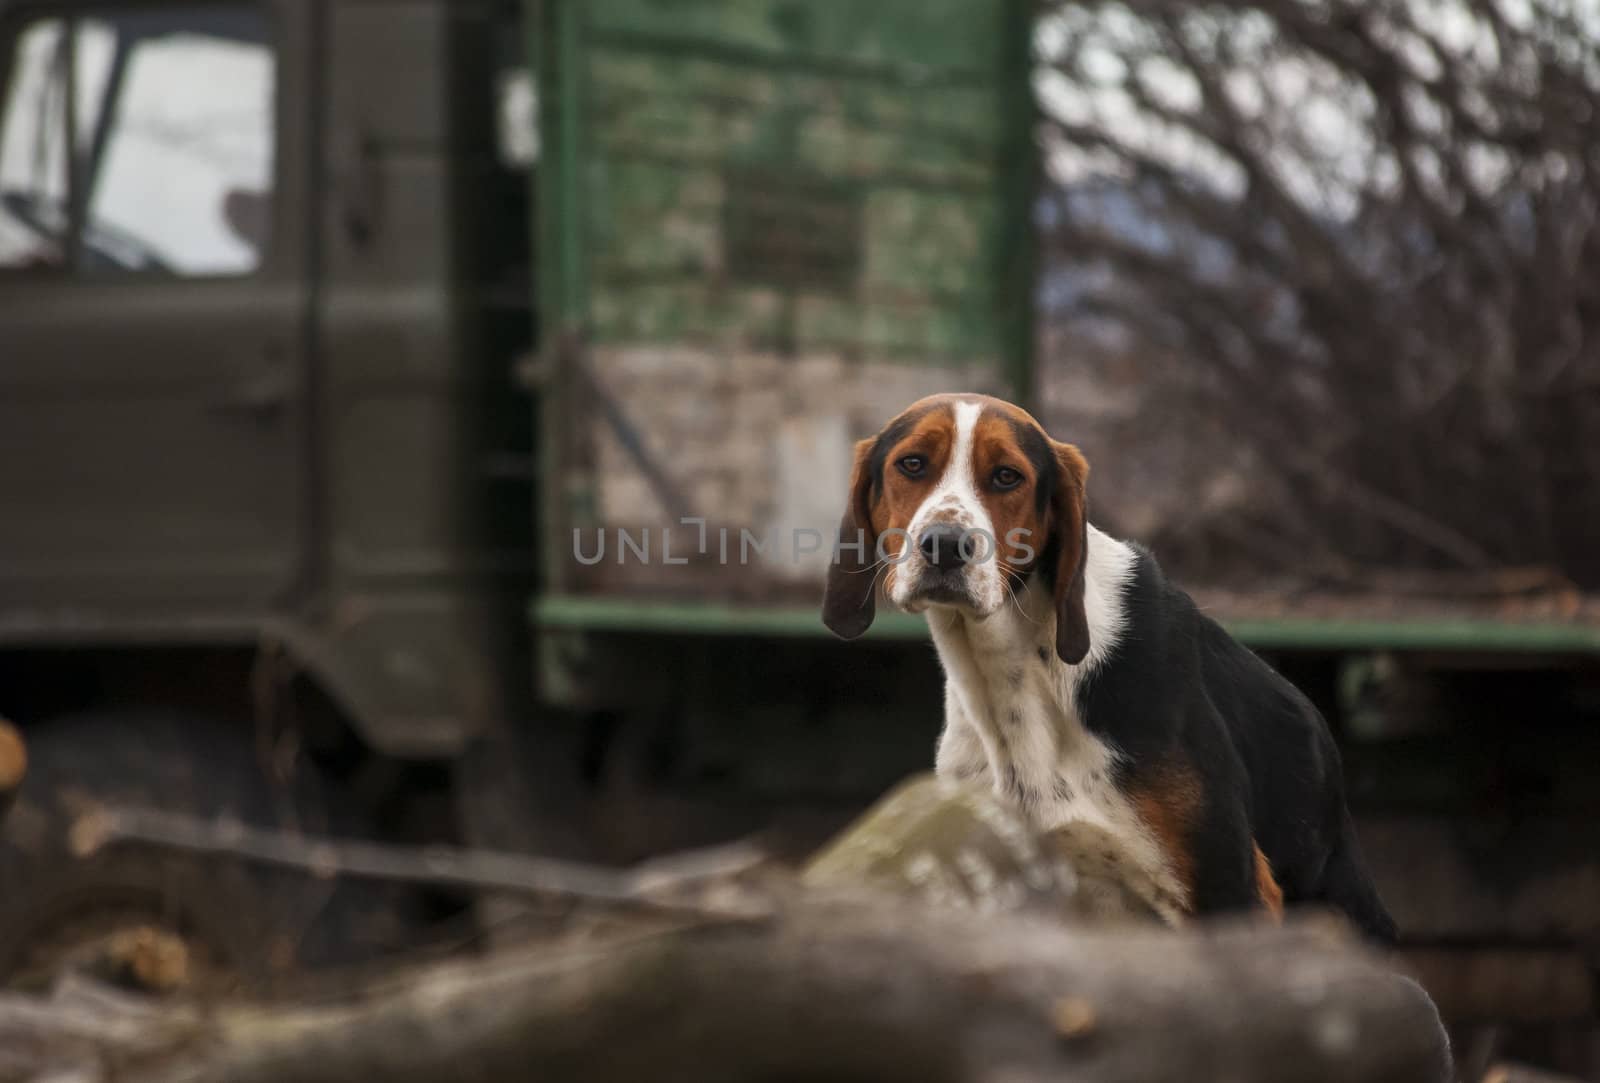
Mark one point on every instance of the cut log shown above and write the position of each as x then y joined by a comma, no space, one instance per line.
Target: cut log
829,986
936,940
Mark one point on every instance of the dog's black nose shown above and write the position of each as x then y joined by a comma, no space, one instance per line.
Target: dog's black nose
941,544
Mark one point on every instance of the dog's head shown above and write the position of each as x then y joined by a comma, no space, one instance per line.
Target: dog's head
956,499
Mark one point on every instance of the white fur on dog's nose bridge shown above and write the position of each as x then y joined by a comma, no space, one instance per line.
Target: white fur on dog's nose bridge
955,498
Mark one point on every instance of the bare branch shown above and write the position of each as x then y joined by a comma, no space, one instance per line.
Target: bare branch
658,884
1375,273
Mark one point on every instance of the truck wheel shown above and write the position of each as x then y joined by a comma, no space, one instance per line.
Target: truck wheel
212,924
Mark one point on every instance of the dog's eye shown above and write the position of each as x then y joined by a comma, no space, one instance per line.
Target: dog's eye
912,466
1007,478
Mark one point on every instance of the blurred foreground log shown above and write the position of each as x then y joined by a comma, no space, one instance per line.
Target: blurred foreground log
936,940
827,986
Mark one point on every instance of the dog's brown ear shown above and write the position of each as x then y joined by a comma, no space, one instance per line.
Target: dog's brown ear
1069,531
848,601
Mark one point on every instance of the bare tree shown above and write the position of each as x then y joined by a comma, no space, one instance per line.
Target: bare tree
1354,238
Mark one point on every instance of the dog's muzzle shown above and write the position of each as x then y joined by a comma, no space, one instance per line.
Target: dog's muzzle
946,560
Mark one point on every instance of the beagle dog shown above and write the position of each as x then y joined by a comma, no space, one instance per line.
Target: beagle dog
1082,684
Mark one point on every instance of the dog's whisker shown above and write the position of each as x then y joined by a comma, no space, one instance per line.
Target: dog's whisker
874,566
872,589
1009,574
1018,603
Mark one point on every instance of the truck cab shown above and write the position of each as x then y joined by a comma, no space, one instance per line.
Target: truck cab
268,530
263,285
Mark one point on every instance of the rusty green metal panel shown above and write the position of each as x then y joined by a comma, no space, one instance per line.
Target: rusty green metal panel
810,175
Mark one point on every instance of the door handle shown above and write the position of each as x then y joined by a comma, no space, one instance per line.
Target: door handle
258,396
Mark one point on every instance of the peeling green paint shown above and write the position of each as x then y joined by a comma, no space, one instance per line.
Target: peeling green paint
906,107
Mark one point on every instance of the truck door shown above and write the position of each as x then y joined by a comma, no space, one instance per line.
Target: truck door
154,304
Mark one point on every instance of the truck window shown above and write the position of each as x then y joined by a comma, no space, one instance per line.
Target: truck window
169,114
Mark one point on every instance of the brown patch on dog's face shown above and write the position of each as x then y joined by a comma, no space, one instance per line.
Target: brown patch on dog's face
1033,489
1013,469
914,454
875,519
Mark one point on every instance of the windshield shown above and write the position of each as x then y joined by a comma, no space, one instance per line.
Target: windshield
171,130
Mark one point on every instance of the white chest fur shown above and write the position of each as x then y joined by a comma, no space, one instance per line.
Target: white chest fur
1011,715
